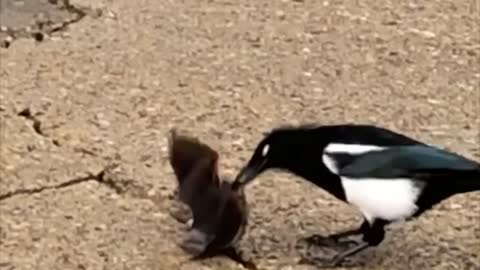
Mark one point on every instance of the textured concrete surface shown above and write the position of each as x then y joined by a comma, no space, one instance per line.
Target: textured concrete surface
85,182
36,19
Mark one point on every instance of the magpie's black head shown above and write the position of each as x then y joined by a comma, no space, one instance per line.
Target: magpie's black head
281,148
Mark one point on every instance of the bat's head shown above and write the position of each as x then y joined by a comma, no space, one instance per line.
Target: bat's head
196,241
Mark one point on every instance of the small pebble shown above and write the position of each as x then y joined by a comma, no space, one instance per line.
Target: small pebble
281,15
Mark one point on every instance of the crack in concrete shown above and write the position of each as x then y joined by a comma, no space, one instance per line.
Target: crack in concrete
99,177
79,12
42,25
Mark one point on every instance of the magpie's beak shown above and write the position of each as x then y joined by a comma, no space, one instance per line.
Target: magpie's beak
248,173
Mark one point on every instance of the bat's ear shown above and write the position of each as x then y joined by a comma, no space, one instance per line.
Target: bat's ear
215,174
172,135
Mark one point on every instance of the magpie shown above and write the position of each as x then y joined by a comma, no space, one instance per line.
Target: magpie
219,211
387,176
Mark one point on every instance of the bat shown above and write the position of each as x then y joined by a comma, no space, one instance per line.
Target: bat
219,210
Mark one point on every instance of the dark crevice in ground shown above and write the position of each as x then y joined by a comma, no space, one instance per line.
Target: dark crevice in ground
36,124
78,12
99,177
84,151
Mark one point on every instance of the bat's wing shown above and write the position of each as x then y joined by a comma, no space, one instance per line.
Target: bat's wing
195,166
234,216
219,219
185,153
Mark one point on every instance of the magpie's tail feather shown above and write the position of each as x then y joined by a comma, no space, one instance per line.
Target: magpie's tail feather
466,180
470,180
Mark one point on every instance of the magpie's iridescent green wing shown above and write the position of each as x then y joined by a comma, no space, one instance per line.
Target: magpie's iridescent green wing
417,161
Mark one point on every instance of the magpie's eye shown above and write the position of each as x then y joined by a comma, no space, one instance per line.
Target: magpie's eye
265,150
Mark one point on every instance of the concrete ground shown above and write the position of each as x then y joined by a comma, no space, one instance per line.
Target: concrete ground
85,182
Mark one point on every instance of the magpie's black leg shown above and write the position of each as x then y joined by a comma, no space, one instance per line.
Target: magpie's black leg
236,256
373,235
334,239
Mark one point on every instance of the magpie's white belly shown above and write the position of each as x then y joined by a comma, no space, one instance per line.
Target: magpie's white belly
392,199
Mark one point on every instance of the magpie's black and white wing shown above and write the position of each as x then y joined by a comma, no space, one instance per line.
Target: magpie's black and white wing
412,161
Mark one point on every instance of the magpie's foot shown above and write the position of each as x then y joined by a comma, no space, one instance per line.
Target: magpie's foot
320,240
340,259
336,261
328,241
